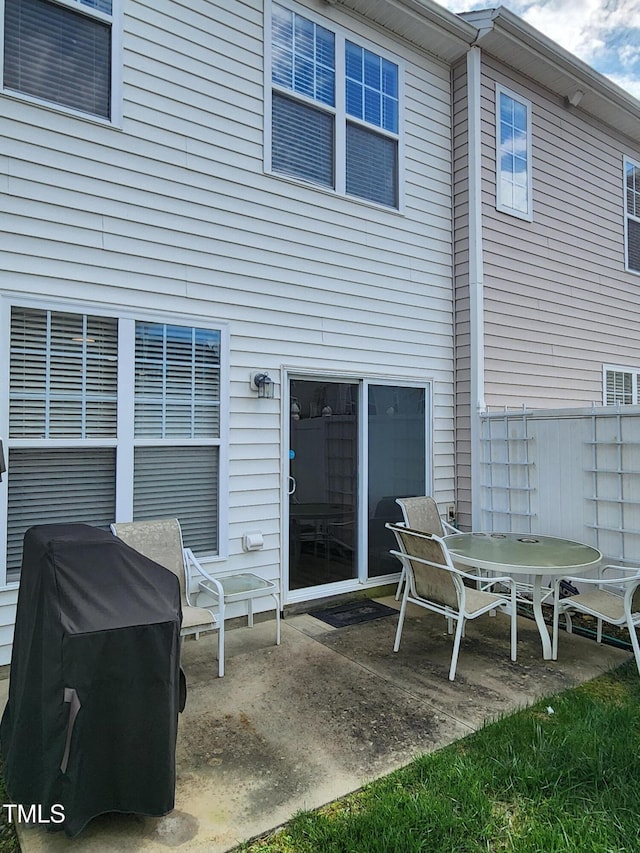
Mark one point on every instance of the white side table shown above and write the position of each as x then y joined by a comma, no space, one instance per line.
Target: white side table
243,587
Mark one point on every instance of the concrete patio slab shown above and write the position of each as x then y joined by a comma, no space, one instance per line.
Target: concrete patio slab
294,726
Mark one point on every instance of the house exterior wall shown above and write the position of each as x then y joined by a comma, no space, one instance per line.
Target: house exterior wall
174,214
558,301
462,322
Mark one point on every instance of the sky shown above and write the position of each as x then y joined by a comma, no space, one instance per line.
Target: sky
603,33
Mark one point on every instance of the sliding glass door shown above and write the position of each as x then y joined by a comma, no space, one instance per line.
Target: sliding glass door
323,467
354,447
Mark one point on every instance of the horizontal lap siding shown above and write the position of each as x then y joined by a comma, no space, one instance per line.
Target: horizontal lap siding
175,212
558,302
462,310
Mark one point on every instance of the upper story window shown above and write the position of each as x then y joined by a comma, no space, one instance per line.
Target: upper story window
620,386
61,52
513,154
632,214
335,110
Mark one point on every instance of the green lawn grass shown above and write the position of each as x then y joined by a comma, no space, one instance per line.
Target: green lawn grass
8,837
565,780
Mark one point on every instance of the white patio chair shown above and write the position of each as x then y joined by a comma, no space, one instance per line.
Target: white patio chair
161,541
615,600
433,582
421,513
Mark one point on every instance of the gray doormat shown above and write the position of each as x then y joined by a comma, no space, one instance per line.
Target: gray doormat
363,610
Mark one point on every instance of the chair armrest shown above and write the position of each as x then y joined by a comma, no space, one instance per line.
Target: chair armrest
449,528
454,570
601,581
190,557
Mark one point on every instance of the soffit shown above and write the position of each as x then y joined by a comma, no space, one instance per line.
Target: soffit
420,22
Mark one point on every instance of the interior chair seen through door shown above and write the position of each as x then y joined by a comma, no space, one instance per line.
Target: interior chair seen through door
421,513
161,541
433,582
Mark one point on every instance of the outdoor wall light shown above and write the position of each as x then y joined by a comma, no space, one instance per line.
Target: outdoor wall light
263,384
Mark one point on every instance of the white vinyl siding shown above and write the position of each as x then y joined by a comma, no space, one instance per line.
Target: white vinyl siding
620,386
632,214
70,414
333,108
175,218
558,302
513,154
64,53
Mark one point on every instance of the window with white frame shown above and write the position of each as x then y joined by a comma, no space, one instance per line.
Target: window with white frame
60,51
620,386
335,109
513,154
93,441
632,214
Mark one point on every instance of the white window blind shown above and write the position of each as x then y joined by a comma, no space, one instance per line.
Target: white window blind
58,54
55,486
343,133
63,374
65,408
177,396
372,166
620,387
186,479
302,141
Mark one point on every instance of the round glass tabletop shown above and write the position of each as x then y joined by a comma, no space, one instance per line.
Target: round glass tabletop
522,552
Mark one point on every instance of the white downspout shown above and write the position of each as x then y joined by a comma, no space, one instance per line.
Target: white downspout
476,274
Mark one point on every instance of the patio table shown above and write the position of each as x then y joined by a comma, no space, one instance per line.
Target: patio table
515,554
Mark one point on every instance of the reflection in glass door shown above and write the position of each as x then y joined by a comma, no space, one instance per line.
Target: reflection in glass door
396,465
323,482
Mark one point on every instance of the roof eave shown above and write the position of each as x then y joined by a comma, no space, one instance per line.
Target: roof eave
512,40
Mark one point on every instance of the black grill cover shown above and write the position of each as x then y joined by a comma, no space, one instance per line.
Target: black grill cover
92,715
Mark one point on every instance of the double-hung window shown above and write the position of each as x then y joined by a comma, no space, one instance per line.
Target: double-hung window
62,52
632,214
112,419
513,154
620,386
335,109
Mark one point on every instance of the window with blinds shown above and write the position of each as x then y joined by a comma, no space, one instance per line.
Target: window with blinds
632,211
621,387
73,432
342,134
60,53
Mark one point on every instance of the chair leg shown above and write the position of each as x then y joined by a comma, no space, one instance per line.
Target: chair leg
221,649
250,613
514,632
403,609
456,648
401,582
634,642
554,631
599,631
277,601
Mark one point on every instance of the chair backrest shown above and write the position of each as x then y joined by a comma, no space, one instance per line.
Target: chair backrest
159,540
433,578
421,513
